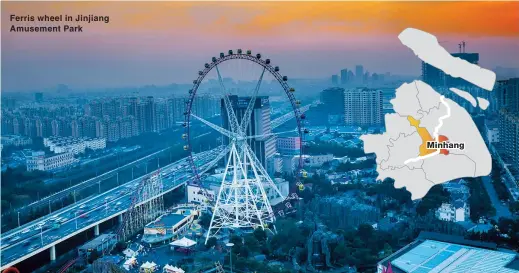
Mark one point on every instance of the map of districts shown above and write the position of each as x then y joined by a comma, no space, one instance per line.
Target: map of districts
429,139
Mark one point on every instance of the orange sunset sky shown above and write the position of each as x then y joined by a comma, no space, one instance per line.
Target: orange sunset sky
165,42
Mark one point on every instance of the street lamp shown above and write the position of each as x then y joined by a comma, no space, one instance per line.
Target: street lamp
18,219
41,234
230,245
75,216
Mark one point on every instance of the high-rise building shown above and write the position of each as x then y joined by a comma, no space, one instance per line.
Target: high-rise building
432,75
344,76
333,99
150,115
179,107
359,73
263,147
507,93
363,107
134,108
95,109
509,136
335,80
351,76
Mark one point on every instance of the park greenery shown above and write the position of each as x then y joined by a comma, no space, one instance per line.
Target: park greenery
479,201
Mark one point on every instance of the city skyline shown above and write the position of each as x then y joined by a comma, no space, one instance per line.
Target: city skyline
168,42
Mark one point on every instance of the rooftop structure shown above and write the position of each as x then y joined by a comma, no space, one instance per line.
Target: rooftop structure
449,254
167,226
100,243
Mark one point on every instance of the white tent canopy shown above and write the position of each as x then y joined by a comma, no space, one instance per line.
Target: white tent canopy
131,260
172,269
148,265
129,263
184,242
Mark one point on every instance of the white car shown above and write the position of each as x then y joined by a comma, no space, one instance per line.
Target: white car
26,230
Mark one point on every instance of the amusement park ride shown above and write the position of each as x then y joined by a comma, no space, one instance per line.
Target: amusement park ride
242,200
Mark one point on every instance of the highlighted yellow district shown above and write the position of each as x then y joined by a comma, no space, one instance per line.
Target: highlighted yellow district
425,136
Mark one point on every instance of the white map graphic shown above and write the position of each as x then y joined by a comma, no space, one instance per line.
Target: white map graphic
423,117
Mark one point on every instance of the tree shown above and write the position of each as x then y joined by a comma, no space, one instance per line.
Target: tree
210,242
388,250
436,196
121,246
514,207
260,234
365,232
205,220
339,253
251,242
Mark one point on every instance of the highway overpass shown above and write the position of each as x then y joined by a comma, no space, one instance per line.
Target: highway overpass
32,238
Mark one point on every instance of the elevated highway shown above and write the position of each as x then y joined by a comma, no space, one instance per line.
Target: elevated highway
44,233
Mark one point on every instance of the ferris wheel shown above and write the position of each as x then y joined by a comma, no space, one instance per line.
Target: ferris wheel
242,200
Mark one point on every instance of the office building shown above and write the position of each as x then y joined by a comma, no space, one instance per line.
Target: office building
335,80
333,100
344,76
439,253
263,147
359,73
363,107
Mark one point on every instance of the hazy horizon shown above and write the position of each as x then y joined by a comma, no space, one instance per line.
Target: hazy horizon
161,43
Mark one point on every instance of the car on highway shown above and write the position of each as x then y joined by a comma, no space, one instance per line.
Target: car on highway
26,230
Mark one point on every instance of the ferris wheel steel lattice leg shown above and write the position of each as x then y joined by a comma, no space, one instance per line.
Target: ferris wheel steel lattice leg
242,201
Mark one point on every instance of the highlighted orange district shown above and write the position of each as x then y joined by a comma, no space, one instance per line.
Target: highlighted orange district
426,137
